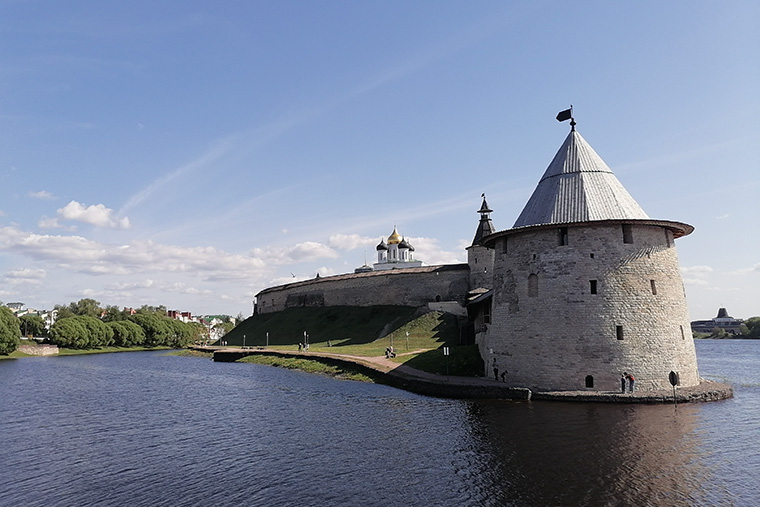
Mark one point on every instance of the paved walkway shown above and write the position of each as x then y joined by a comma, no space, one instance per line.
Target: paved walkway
452,386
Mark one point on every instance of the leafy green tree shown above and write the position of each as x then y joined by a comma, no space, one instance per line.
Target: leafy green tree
63,312
87,307
753,325
200,333
98,333
81,332
157,331
126,333
10,334
32,325
161,309
225,327
69,333
181,335
111,313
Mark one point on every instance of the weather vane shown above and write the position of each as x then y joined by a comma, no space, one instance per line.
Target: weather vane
565,115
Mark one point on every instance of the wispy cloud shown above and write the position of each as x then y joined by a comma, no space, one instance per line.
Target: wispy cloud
746,271
25,276
217,150
42,194
696,275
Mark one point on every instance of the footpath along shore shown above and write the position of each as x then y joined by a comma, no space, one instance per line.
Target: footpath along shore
449,386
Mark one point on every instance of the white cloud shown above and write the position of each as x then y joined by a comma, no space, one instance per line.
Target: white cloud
81,255
96,214
350,241
696,270
42,194
429,251
696,275
300,252
25,275
745,271
53,223
695,281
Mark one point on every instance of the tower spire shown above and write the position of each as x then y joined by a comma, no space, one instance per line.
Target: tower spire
485,226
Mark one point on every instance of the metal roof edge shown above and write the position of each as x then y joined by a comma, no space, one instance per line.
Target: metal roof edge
679,229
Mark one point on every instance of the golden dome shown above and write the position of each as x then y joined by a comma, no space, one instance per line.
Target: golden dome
395,238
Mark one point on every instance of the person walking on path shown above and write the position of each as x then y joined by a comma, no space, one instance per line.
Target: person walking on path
631,382
495,370
623,378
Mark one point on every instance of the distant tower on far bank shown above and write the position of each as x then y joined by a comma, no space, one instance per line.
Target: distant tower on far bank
586,286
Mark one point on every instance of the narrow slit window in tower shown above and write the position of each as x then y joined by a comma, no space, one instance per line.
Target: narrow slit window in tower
654,287
589,381
592,286
619,332
683,336
627,233
504,243
563,236
591,255
533,285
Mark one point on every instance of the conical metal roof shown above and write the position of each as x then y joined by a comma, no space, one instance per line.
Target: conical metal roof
485,226
578,187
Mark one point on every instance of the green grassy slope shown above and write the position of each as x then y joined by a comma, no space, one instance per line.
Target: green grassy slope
365,331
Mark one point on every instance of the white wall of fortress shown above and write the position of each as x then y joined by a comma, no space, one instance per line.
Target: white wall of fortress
405,287
554,336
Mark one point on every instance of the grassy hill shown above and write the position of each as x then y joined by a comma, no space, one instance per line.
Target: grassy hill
364,331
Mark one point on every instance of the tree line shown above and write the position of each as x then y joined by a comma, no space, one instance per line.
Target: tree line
85,325
750,328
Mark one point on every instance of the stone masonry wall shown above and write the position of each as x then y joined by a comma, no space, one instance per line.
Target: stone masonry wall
550,331
481,261
406,287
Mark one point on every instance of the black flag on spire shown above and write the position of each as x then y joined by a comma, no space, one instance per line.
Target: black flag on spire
565,115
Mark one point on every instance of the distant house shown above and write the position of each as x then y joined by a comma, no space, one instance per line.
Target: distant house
15,307
723,321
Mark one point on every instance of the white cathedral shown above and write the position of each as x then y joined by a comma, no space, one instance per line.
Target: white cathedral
397,253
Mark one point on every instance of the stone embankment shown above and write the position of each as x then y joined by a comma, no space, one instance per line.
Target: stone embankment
403,377
39,350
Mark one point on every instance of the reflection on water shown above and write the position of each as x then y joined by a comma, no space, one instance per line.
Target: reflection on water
570,454
151,429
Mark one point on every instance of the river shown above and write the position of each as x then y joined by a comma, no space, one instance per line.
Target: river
151,429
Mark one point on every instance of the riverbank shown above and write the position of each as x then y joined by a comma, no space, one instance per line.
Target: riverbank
386,371
38,350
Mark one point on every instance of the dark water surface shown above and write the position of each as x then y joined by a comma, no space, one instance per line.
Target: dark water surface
150,429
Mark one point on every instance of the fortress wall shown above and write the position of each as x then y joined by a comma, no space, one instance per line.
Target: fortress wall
406,287
551,332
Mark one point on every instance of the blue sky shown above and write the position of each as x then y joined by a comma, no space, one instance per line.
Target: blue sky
193,153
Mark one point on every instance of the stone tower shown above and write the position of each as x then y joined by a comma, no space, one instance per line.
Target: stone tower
479,257
586,286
